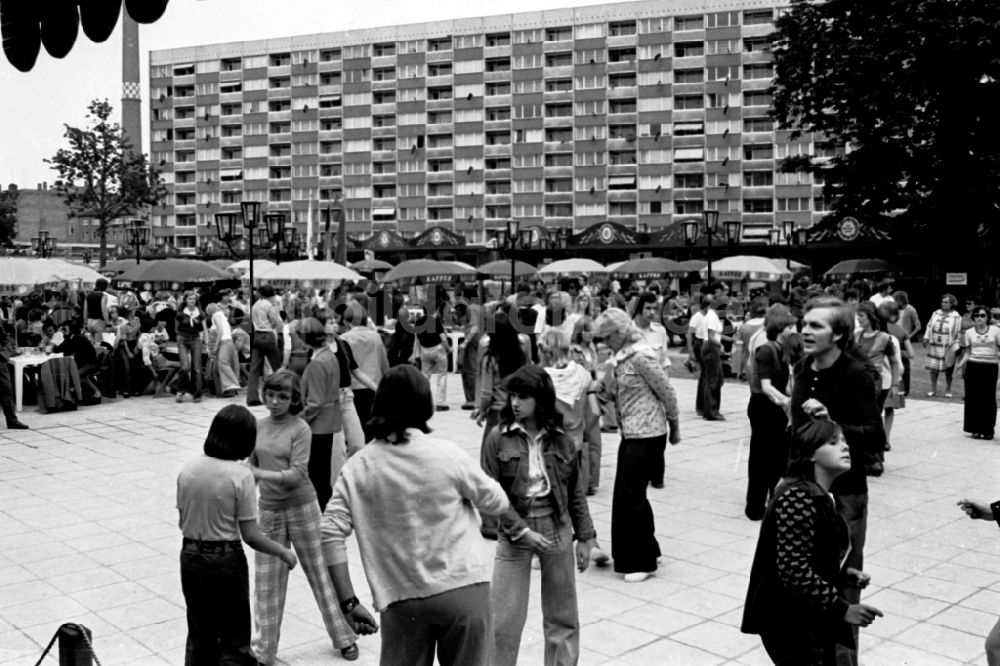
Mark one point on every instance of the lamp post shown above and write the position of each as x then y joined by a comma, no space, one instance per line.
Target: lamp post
43,244
273,231
792,236
709,225
512,239
225,227
138,237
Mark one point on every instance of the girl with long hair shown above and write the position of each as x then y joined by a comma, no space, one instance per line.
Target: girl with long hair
190,324
536,464
289,514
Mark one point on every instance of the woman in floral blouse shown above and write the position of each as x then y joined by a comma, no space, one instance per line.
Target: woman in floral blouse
942,339
646,405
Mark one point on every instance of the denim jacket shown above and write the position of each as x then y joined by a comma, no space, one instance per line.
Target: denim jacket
505,458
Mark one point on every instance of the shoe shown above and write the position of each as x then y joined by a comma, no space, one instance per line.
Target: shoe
931,394
714,417
609,428
753,515
599,557
442,408
230,393
976,435
637,577
254,403
948,395
17,425
126,394
197,398
351,652
468,406
888,446
180,397
657,485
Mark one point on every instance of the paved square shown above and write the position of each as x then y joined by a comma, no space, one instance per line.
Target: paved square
88,534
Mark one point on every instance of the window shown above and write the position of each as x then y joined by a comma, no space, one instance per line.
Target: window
623,80
558,34
723,19
329,55
383,96
722,46
384,74
276,172
758,16
384,49
621,182
731,72
501,138
689,49
689,75
689,207
439,165
498,39
561,110
558,159
558,85
498,187
386,120
384,167
278,105
439,44
497,113
498,64
330,147
560,59
384,143
621,157
559,210
280,150
280,59
793,205
438,117
560,134
439,140
758,125
689,154
827,149
757,98
279,195
624,131
279,82
763,70
439,213
493,163
621,208
558,184
279,128
590,56
689,102
183,70
758,205
689,181
696,22
528,185
330,170
621,106
439,69
231,64
622,55
692,128
383,190
231,153
330,102
758,151
821,205
621,28
497,88
756,44
758,178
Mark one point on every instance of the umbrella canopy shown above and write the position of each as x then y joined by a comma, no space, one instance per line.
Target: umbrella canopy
70,271
371,265
221,263
577,265
260,266
746,267
649,268
174,270
30,271
853,266
500,269
309,269
428,270
116,266
694,265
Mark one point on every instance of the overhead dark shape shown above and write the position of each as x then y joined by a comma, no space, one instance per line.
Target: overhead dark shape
21,33
99,18
60,26
145,11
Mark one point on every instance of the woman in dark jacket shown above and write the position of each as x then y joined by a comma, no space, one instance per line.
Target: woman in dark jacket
796,599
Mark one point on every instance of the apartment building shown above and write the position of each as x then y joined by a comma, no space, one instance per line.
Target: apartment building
638,113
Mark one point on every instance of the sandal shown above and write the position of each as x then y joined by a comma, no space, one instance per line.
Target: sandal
931,394
351,652
947,395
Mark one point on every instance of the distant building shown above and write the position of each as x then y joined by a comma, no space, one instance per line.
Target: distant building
639,114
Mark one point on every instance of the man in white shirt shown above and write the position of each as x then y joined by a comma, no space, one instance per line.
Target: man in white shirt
882,295
653,334
703,324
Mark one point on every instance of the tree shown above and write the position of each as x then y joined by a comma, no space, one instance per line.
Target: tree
100,176
8,214
910,88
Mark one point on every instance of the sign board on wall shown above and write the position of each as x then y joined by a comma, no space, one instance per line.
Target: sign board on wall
956,279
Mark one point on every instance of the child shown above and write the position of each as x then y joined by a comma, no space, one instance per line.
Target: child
289,513
216,501
536,464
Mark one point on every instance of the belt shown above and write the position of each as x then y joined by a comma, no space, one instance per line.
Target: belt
212,546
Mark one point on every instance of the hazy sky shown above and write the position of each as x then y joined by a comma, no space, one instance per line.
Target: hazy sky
34,106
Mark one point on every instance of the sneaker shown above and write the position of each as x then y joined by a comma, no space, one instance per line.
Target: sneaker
15,424
599,557
637,577
468,406
442,408
197,398
228,393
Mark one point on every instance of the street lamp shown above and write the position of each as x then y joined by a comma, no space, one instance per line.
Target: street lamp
790,236
273,232
43,244
512,238
709,226
138,237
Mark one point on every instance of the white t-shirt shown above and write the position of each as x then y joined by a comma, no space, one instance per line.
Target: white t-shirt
703,322
655,337
221,326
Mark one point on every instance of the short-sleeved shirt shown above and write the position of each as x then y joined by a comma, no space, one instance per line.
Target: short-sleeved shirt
429,330
768,364
983,347
708,321
213,496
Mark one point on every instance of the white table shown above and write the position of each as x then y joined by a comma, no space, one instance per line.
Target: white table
21,362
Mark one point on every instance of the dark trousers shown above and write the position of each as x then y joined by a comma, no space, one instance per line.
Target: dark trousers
458,623
7,390
320,453
363,400
121,367
263,346
658,464
800,648
768,457
905,380
633,541
699,395
854,510
216,588
710,378
470,368
980,398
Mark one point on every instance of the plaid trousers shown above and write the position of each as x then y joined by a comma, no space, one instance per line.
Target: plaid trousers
299,526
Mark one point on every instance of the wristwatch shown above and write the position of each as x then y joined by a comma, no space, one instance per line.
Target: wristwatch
347,605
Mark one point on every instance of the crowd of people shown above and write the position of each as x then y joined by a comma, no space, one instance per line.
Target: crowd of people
351,379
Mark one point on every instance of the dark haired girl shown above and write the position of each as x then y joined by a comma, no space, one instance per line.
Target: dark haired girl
215,498
289,514
536,464
796,599
412,500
